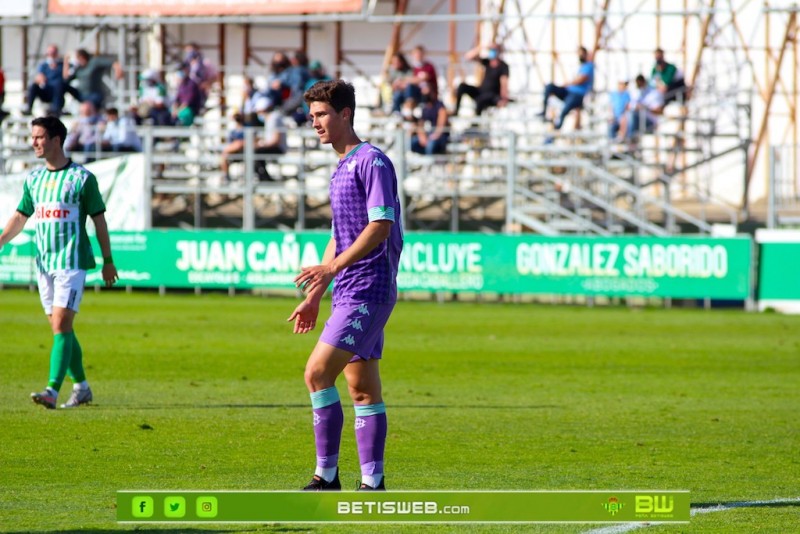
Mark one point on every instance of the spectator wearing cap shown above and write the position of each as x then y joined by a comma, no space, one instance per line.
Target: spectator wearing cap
201,69
188,99
317,73
618,104
153,102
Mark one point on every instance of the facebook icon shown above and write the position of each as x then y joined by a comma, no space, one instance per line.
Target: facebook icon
142,507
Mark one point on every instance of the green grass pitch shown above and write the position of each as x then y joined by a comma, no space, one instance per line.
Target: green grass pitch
206,392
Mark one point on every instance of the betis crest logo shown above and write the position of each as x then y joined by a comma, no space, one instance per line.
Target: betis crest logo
613,505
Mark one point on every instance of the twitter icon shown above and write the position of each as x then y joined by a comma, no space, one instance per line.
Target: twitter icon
174,507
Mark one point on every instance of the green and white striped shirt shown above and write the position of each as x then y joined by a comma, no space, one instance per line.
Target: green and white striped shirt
60,201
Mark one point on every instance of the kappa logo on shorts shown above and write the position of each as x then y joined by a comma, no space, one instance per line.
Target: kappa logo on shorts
356,324
360,423
349,339
363,310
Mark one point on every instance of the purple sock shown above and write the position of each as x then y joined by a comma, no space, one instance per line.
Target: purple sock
371,430
328,423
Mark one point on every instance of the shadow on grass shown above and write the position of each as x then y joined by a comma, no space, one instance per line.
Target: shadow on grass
778,503
134,528
306,406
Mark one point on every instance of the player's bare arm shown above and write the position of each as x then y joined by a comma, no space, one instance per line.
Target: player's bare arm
109,270
375,233
306,313
13,227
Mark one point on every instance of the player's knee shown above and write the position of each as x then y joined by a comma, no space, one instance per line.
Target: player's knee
316,378
365,395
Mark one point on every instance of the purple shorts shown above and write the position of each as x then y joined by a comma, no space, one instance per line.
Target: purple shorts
358,328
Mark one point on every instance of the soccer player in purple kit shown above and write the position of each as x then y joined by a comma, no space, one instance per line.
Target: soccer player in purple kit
363,256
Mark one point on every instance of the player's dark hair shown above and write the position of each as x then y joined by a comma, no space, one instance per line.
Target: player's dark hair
338,93
53,126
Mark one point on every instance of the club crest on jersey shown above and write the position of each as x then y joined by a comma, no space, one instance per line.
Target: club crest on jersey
351,165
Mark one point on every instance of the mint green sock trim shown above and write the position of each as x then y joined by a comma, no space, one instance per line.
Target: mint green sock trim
370,409
324,397
60,356
75,369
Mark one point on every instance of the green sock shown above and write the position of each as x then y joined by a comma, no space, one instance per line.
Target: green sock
60,356
75,369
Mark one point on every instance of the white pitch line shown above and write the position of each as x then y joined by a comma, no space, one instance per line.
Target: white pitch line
627,527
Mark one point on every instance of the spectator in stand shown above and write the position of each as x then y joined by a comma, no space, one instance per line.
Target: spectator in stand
432,132
317,74
249,96
273,140
572,93
399,72
3,113
276,81
618,104
423,75
84,135
89,72
153,100
48,84
201,69
119,134
188,99
668,79
493,90
235,145
294,83
643,111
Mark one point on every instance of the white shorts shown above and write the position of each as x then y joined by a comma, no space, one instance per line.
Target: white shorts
61,289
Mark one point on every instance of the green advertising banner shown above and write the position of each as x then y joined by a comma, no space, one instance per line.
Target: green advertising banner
778,258
677,267
403,507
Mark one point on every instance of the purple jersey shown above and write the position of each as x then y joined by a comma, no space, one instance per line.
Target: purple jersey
364,189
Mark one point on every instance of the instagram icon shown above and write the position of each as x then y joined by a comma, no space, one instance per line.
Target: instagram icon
206,507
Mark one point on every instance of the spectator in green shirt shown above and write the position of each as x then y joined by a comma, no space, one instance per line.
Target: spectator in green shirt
668,79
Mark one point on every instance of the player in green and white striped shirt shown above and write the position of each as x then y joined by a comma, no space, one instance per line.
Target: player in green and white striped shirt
60,195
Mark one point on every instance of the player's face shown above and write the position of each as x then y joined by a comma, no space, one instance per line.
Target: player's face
329,124
43,145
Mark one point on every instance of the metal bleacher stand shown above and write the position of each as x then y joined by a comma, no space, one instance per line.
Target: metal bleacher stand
498,175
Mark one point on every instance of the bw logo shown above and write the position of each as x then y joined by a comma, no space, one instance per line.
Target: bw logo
659,504
317,419
360,423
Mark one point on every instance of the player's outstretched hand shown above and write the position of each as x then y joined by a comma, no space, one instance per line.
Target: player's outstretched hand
110,274
304,317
